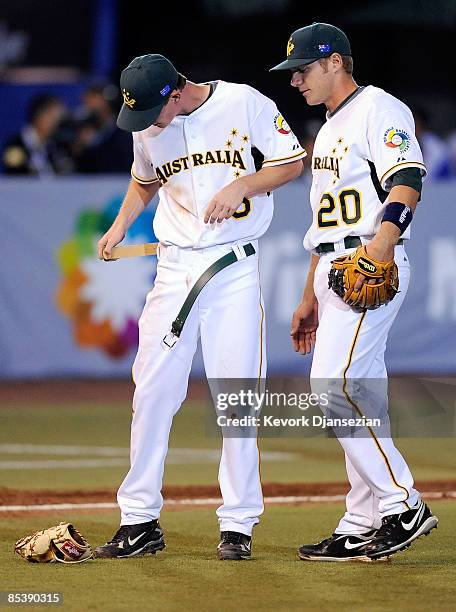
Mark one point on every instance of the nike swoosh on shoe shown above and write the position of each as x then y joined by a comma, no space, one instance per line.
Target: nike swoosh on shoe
418,515
348,545
132,542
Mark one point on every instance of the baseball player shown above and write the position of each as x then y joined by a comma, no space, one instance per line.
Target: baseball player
367,172
195,145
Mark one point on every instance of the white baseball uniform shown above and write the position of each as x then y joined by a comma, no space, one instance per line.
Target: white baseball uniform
194,158
356,153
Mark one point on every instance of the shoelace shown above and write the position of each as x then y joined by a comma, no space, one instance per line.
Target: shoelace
120,534
232,537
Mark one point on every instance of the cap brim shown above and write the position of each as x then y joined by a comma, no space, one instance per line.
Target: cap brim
289,64
136,121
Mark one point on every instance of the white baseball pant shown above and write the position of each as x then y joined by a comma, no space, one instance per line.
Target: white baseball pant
229,317
351,345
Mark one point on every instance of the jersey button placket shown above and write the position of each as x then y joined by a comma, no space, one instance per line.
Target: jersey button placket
190,130
194,136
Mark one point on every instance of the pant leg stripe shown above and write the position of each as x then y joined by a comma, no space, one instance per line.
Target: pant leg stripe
259,383
261,343
353,404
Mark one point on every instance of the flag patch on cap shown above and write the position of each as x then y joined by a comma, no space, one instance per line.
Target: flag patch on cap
324,48
165,90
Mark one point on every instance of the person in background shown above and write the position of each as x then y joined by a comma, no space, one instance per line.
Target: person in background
34,150
451,140
101,147
436,152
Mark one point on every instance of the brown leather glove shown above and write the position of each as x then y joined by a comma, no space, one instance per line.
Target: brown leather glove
344,273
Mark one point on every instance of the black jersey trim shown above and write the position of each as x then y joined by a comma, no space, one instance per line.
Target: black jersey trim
330,115
381,193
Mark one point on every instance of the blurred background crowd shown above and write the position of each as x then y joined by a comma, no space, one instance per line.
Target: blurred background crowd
60,65
54,140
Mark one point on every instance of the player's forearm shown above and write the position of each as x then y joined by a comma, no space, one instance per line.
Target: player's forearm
406,195
268,179
309,294
387,236
136,199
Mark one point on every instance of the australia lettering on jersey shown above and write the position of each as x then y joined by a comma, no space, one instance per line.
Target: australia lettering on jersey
233,158
327,163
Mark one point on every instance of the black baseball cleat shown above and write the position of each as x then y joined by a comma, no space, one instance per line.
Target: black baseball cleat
234,546
132,541
339,547
399,530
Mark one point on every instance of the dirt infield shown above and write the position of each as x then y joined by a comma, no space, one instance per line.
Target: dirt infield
28,497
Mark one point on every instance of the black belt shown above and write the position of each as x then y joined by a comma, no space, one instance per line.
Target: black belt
178,324
350,242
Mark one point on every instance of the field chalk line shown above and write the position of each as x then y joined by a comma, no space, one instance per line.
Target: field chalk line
109,456
207,501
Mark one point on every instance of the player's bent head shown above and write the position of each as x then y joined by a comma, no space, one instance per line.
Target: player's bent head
314,42
147,84
318,80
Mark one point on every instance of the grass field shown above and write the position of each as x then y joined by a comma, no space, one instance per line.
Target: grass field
84,445
316,459
187,575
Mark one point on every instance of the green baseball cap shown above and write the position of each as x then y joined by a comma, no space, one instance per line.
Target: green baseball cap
309,44
146,84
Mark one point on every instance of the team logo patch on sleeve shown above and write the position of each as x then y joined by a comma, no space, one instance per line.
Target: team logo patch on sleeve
397,139
281,125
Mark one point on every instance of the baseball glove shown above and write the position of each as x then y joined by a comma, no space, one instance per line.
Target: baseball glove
62,543
344,273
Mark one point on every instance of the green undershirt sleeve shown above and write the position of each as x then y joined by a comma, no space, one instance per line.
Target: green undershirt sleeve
411,177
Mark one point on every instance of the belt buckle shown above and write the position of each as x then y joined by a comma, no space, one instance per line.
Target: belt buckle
169,341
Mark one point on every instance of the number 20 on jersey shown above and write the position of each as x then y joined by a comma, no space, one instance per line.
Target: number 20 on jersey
348,204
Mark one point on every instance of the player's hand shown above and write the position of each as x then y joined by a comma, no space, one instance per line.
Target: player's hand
113,236
379,253
225,203
304,326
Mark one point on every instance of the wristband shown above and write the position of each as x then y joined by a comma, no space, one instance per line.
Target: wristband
399,214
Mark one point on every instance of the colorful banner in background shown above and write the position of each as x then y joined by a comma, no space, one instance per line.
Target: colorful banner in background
65,313
103,301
